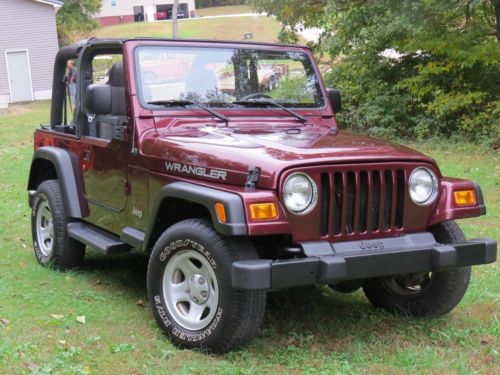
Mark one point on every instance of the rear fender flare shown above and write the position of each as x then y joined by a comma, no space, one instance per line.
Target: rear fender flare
70,178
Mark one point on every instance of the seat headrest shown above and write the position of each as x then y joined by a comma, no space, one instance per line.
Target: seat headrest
116,76
98,99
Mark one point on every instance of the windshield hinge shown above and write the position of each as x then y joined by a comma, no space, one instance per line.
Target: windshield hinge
92,124
252,176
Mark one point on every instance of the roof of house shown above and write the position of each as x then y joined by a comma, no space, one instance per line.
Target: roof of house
54,3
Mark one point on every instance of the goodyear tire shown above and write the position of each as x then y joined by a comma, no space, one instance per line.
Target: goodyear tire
51,243
190,290
428,294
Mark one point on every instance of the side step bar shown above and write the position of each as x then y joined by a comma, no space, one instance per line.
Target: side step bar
98,239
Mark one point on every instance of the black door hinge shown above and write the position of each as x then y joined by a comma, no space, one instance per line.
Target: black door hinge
253,176
127,187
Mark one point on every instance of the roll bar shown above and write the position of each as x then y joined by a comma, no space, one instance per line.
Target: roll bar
58,84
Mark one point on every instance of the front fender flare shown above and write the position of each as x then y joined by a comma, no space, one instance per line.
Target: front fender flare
70,178
207,197
446,209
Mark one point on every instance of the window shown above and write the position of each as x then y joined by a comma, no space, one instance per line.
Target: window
107,80
221,76
113,3
101,66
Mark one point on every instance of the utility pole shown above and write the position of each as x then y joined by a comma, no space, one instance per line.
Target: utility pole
175,26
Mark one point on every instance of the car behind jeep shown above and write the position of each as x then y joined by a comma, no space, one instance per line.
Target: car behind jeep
233,177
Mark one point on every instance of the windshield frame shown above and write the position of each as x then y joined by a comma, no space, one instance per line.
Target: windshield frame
227,45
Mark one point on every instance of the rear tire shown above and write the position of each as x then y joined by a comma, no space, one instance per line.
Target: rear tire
190,290
52,245
427,294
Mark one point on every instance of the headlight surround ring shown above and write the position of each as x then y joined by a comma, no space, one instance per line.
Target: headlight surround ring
310,200
423,178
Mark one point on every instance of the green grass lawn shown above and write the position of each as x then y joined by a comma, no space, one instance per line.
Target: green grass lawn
264,29
307,330
221,11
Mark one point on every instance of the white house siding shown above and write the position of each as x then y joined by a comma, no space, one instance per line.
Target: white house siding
28,25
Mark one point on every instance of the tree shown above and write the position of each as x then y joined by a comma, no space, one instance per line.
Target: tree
75,18
411,68
175,22
496,4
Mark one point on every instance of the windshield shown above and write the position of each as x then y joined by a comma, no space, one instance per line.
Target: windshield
218,77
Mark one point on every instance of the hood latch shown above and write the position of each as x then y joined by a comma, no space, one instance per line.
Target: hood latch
252,176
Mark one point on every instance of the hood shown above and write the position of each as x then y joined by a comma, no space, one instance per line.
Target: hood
224,154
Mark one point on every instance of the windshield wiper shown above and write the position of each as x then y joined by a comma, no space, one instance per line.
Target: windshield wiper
274,103
187,103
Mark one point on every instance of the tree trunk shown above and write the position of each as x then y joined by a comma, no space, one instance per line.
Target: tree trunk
497,14
175,26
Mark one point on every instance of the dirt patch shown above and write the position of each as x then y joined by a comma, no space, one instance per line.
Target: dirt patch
340,345
16,109
482,311
478,362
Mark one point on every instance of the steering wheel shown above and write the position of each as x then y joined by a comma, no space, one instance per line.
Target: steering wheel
256,95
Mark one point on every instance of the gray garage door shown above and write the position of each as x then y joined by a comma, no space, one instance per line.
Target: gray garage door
19,75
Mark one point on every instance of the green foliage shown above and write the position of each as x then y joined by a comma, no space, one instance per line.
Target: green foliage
218,3
76,18
293,14
406,68
293,89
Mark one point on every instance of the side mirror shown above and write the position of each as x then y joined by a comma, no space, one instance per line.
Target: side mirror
335,99
98,99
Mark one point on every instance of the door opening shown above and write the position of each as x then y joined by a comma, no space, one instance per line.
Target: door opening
138,13
19,75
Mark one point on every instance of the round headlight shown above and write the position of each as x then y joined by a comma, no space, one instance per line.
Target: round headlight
300,193
423,186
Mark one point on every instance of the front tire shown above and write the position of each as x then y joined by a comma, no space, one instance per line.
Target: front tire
190,290
347,287
52,245
426,294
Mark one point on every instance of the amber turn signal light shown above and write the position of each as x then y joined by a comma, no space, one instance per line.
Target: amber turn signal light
464,197
263,211
221,212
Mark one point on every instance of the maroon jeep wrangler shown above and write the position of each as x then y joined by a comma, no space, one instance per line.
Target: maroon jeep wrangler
234,178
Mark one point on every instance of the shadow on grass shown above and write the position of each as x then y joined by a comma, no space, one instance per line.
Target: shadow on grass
126,272
306,316
316,310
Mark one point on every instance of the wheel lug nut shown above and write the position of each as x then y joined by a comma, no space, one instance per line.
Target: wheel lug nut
201,281
195,299
204,294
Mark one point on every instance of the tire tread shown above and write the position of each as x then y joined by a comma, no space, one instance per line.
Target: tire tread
67,253
445,292
248,306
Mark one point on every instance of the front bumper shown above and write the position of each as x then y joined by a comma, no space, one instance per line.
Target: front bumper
329,263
